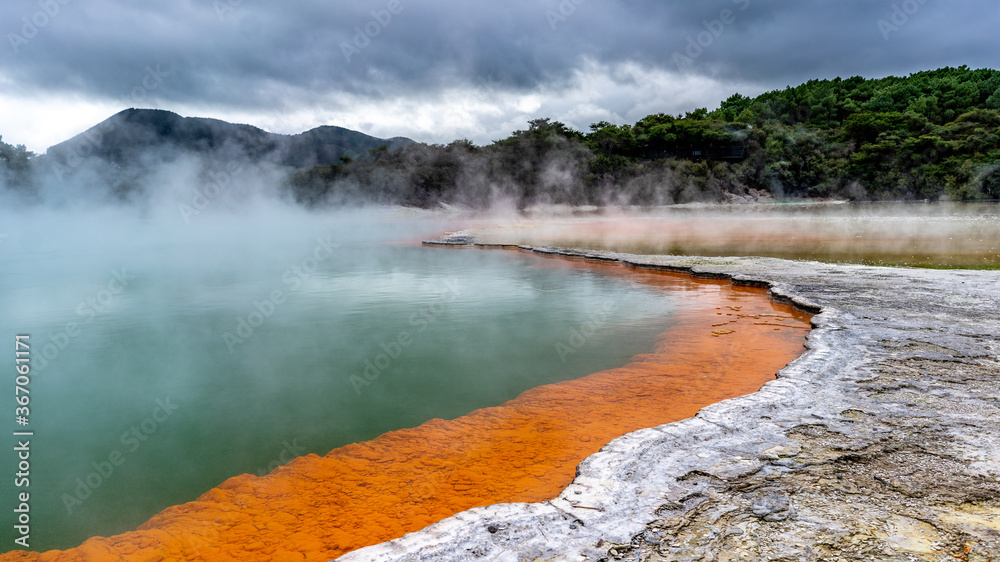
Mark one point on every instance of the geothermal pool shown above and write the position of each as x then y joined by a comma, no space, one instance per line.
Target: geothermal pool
167,360
170,358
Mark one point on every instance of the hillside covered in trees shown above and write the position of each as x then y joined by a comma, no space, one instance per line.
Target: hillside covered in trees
127,155
931,135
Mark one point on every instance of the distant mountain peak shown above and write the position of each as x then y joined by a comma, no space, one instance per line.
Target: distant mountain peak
133,133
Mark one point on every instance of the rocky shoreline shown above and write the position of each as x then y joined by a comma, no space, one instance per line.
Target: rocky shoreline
882,441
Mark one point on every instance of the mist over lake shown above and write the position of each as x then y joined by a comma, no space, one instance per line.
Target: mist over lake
171,356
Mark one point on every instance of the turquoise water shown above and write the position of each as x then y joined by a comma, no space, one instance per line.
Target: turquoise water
170,356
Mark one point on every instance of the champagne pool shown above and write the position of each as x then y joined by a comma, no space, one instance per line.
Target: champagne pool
294,372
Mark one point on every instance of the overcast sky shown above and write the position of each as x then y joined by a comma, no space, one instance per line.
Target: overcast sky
437,70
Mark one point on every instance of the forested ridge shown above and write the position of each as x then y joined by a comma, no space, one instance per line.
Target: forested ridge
931,135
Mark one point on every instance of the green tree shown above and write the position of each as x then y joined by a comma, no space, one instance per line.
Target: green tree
15,166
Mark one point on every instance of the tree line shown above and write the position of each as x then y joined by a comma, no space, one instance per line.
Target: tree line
930,135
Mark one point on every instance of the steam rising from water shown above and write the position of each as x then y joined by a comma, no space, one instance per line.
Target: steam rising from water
203,236
128,305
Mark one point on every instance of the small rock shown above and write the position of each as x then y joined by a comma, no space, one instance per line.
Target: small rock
781,451
772,507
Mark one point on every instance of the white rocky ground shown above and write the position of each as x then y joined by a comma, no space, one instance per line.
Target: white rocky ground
881,442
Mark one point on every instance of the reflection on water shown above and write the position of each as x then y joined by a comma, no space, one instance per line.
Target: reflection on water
922,235
169,359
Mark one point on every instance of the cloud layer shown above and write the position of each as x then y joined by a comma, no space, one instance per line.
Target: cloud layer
438,70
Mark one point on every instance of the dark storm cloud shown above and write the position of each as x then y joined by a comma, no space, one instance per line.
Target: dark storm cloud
256,54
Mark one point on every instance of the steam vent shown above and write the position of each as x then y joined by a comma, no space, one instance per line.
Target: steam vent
526,450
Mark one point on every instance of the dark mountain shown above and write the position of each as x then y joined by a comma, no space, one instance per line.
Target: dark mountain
137,137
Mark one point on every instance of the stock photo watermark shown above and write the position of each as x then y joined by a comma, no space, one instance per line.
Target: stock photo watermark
580,335
364,34
151,80
22,400
88,310
132,439
488,89
290,452
900,16
248,23
563,12
219,183
224,8
714,28
293,278
33,24
22,480
392,350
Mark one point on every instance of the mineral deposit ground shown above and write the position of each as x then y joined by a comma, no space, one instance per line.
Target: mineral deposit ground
880,442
